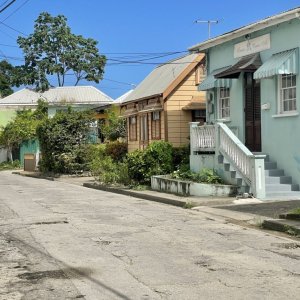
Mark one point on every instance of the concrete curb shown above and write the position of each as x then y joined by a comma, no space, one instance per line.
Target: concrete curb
33,175
289,226
136,194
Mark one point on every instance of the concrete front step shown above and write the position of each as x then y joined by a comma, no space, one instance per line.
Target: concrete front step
281,187
274,172
270,165
287,195
289,226
278,180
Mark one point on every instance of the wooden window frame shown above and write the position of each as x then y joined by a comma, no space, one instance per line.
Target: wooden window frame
199,74
144,134
282,91
224,103
156,125
132,128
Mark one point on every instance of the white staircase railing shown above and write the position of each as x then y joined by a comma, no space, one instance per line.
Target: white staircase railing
235,151
221,140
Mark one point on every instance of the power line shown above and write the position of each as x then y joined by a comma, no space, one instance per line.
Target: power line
6,45
4,3
16,30
120,82
7,6
18,8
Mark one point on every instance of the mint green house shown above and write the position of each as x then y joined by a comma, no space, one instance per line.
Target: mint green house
59,98
253,103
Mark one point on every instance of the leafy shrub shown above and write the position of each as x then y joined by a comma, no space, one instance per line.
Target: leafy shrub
155,160
61,139
136,165
181,156
109,172
114,127
204,176
10,165
116,150
93,151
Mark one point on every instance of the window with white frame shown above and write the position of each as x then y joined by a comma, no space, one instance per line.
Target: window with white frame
224,103
287,93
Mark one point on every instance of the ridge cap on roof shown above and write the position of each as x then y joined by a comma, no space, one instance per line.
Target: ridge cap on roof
244,27
177,58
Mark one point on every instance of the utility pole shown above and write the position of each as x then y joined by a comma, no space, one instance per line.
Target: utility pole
209,22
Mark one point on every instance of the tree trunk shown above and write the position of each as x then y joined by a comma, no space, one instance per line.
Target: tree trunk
9,154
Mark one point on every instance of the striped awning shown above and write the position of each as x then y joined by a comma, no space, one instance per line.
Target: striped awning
211,82
285,62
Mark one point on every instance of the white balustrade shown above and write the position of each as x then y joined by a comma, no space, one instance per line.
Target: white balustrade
235,151
202,137
220,139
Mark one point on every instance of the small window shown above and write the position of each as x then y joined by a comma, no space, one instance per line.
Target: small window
199,74
199,115
155,125
224,103
132,128
287,93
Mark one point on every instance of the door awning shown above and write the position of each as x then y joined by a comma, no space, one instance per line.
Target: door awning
285,62
249,63
211,82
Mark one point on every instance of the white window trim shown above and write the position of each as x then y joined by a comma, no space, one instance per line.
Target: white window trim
226,119
280,112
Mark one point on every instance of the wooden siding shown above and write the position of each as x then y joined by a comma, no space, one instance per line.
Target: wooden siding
174,120
133,145
178,119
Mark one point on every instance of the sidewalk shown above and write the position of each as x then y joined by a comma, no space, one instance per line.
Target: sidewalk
251,211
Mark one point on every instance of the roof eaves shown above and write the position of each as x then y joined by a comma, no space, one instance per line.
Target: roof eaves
262,24
182,75
141,99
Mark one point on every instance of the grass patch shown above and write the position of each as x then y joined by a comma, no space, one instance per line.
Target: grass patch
295,211
10,165
188,205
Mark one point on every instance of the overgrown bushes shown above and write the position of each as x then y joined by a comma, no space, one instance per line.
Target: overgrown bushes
63,141
155,160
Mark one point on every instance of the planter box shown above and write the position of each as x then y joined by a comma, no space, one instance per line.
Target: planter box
163,183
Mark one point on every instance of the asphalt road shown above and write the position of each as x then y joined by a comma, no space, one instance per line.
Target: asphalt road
64,241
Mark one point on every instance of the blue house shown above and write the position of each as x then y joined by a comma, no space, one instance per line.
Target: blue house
253,103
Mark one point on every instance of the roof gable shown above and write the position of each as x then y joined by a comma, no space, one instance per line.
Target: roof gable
253,27
164,78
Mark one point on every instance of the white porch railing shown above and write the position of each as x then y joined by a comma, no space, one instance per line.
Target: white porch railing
202,137
221,140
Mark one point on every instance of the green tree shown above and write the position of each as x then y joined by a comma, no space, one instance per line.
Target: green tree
22,127
114,127
62,140
52,49
6,70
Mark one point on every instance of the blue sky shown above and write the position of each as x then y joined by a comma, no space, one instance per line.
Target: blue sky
129,30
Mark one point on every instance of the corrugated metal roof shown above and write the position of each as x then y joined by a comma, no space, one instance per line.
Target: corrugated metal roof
122,98
54,96
285,62
160,78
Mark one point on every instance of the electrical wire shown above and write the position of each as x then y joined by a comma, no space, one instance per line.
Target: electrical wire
4,3
18,8
7,6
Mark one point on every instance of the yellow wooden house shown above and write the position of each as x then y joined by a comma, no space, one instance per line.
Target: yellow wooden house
163,104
